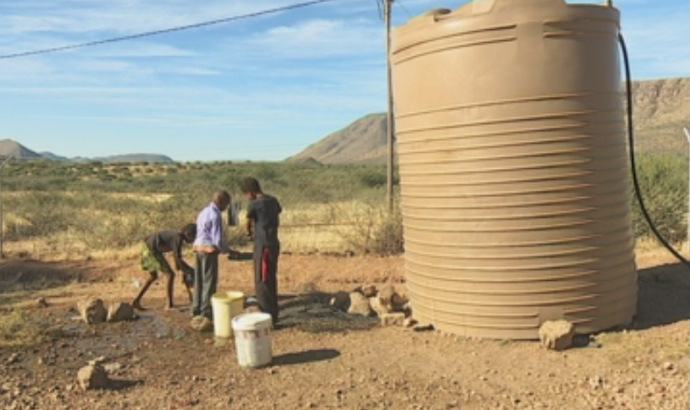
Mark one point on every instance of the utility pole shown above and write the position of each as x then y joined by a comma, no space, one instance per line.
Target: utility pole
687,136
2,230
387,6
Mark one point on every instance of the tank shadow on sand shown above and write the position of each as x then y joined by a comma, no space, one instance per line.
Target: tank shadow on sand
311,313
663,296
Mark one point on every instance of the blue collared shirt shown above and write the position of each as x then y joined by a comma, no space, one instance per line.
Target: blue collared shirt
210,228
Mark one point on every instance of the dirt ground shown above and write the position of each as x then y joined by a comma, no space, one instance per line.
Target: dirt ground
328,360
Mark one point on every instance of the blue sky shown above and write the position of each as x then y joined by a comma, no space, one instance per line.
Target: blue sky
259,89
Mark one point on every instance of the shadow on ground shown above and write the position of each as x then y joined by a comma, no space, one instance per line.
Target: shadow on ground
307,356
31,275
119,385
663,296
311,313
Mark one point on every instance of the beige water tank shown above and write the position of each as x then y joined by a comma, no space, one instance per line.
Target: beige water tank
513,165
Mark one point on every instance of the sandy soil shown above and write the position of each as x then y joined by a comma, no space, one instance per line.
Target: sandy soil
327,360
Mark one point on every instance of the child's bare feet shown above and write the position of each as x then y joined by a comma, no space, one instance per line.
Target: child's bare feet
170,307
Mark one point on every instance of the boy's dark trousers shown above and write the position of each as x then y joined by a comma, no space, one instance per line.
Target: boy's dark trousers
266,279
205,283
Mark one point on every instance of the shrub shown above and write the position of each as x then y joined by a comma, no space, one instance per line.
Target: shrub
664,185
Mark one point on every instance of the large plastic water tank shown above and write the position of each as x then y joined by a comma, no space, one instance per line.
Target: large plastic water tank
513,165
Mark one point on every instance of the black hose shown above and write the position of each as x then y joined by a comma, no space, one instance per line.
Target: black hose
631,140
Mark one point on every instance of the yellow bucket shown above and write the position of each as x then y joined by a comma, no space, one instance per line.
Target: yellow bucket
226,305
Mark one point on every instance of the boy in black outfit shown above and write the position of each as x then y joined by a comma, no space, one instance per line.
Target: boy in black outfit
262,223
153,261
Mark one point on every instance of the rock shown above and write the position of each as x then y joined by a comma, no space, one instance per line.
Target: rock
379,309
359,305
400,300
393,319
203,325
42,302
112,367
409,322
557,335
98,361
92,377
423,328
669,366
120,312
92,311
386,295
340,301
407,308
369,290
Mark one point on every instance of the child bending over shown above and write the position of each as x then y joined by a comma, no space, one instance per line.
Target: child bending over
153,261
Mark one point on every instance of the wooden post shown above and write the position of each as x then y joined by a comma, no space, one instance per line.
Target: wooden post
389,120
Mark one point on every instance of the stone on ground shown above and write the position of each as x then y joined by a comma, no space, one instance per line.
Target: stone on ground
120,312
369,290
340,301
557,335
359,305
93,377
379,309
393,319
92,311
202,324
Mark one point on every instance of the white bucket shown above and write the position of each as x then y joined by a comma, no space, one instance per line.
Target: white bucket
226,305
253,339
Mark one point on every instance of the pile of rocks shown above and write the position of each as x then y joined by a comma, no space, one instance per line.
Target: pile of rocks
391,305
93,311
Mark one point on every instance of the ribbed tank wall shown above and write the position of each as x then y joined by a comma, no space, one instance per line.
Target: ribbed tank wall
513,162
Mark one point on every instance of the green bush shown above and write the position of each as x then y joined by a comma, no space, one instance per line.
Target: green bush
664,184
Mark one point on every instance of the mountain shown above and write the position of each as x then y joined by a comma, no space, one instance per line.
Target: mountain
17,150
660,109
10,147
133,158
362,141
54,157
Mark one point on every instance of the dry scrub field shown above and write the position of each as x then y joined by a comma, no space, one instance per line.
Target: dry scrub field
324,360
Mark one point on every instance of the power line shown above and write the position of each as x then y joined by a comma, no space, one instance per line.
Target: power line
399,2
164,31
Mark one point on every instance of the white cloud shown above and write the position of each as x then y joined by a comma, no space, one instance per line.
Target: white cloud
319,38
139,49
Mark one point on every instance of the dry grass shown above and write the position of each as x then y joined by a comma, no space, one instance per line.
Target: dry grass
17,329
335,227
